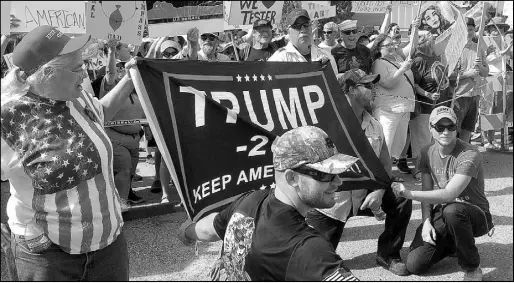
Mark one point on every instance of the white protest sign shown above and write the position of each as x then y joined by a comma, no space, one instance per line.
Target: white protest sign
226,14
317,11
67,16
6,10
121,20
366,7
247,12
8,61
405,3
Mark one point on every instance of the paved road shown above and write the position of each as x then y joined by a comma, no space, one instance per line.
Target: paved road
156,255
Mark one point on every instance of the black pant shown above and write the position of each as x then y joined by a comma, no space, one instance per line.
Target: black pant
390,242
457,225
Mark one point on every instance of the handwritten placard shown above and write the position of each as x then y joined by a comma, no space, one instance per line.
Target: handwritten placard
456,43
67,16
367,7
6,10
8,61
247,12
121,20
317,11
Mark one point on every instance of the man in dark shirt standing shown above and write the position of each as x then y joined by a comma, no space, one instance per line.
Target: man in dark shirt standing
351,55
265,237
262,47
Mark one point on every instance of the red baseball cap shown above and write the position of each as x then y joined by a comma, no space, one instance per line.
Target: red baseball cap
43,44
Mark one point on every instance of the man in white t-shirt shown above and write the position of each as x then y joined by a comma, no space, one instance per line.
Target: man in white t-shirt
330,34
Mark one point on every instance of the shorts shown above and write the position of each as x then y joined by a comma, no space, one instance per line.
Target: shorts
466,109
125,151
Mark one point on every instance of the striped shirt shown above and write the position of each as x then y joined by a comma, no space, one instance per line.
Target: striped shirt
58,160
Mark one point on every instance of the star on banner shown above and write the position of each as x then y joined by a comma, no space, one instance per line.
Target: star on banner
247,78
262,77
254,78
273,185
262,187
269,77
238,78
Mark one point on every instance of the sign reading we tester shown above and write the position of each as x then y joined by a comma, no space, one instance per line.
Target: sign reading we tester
247,12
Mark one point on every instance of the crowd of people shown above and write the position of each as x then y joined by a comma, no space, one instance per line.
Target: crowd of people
71,177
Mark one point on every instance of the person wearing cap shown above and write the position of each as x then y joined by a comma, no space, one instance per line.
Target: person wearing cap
209,43
169,49
64,209
350,55
229,50
330,222
456,210
262,47
300,48
330,35
265,237
472,68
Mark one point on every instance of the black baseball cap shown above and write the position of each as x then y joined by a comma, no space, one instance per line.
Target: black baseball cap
262,23
43,44
295,14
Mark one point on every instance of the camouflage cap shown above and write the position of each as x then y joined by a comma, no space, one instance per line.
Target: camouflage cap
309,146
356,76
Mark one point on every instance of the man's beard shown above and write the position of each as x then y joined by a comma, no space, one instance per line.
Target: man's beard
208,49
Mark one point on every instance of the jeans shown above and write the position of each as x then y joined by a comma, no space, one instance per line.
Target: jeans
390,242
457,224
46,261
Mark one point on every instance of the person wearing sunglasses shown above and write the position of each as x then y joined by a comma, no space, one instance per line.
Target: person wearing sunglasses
350,55
265,237
262,46
300,47
169,49
330,35
454,207
209,43
330,222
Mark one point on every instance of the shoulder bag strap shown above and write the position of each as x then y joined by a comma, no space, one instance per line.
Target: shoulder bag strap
407,77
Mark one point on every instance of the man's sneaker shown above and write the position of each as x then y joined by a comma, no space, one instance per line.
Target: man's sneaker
395,265
133,198
156,187
403,167
474,275
137,178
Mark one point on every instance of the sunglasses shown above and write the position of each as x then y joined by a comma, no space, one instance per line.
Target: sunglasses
316,175
368,85
211,37
348,32
388,45
299,26
327,32
169,54
441,128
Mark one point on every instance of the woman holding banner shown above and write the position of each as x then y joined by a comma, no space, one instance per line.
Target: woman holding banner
64,211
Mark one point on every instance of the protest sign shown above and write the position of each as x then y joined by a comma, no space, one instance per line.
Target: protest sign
317,11
366,7
456,43
215,129
66,16
121,20
6,10
247,12
166,20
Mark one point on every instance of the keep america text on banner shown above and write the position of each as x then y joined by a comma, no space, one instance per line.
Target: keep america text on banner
215,129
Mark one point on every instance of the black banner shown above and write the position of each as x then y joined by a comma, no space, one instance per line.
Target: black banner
215,122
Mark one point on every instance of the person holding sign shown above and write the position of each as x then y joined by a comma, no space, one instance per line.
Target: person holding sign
330,222
472,66
300,48
265,237
64,209
262,47
457,211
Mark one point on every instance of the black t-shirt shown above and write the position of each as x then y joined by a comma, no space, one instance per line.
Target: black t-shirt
424,68
267,240
358,57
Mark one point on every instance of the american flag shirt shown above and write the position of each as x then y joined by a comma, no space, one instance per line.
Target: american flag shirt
58,160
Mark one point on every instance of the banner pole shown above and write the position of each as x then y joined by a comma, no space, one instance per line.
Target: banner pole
234,45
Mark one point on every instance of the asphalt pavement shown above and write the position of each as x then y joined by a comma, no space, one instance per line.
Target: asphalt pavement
156,254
